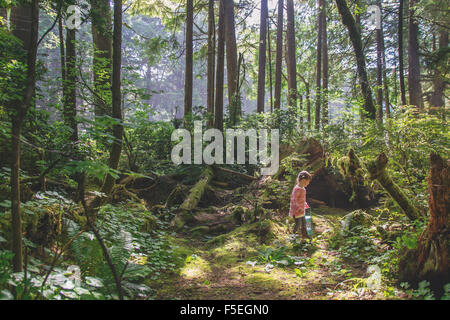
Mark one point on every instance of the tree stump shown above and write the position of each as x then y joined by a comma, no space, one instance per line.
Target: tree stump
430,260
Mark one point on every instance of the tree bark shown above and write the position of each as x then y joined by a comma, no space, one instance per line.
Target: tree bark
324,65
414,86
379,36
25,22
102,40
269,56
401,73
62,52
211,62
116,147
385,78
218,113
232,63
70,99
188,82
148,81
308,102
279,55
437,98
292,64
318,64
355,37
262,58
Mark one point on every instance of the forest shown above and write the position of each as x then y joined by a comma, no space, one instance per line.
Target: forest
150,149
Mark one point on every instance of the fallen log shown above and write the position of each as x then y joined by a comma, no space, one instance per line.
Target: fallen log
377,170
190,203
48,181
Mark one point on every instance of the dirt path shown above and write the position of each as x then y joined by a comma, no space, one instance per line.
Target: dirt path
232,265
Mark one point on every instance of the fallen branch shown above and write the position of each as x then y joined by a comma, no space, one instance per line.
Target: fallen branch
49,181
377,170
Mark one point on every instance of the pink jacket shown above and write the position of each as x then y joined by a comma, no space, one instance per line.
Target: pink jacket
298,202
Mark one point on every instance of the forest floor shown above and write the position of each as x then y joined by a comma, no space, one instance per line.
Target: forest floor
251,262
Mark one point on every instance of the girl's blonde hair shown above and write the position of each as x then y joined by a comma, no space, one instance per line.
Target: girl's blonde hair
303,175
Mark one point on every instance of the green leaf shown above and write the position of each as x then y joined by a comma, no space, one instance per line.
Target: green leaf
5,204
94,282
81,291
6,295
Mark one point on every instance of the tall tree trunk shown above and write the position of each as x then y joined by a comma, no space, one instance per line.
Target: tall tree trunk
318,63
70,100
437,98
324,65
232,63
379,78
148,81
218,112
102,39
308,106
358,15
262,57
401,72
292,64
62,53
116,147
269,56
385,78
211,57
308,102
414,86
279,55
189,78
355,37
25,23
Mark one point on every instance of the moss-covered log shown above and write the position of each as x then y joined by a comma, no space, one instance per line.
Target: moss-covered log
377,170
192,199
430,260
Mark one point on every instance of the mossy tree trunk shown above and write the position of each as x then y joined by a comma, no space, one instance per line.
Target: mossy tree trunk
192,200
377,170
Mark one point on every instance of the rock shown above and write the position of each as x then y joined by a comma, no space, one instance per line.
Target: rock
356,218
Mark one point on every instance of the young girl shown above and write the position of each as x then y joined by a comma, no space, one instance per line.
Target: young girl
298,202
